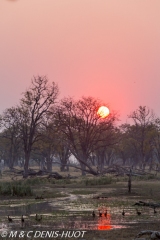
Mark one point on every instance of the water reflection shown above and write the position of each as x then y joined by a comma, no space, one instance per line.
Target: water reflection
70,215
54,216
25,209
104,222
89,223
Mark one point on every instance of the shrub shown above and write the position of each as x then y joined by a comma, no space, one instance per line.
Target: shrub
146,177
98,181
35,181
15,189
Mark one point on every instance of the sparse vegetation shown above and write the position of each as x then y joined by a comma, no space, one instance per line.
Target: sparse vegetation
36,180
18,189
99,181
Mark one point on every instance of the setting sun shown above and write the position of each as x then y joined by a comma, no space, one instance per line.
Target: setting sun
103,111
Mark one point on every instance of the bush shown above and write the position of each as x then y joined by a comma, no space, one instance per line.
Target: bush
35,181
15,189
98,181
146,177
64,181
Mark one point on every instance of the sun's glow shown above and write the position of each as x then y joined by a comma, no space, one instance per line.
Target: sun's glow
103,111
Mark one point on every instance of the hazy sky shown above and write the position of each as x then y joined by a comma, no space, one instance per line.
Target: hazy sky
108,49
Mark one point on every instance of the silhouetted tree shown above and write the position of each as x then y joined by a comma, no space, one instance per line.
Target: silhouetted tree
141,133
84,130
10,132
30,114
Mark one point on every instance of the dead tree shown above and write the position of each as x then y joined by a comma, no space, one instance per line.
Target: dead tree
153,234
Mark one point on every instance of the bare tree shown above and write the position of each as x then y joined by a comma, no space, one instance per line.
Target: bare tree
10,132
48,145
34,107
156,145
141,133
31,112
84,130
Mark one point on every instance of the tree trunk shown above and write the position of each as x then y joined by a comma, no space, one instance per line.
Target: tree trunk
130,181
153,234
64,164
26,164
83,168
101,161
42,164
11,163
49,164
11,158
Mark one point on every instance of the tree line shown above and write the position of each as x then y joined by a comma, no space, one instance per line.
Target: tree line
45,129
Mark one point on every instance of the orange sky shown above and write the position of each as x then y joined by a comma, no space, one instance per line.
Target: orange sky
108,49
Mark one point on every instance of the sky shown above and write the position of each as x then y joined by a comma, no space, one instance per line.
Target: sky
107,49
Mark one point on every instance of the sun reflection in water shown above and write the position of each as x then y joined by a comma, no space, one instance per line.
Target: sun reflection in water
104,223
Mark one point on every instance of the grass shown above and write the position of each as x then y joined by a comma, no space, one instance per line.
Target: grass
99,181
64,181
18,189
36,181
146,177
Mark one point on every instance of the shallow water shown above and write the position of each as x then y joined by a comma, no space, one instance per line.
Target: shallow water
74,212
